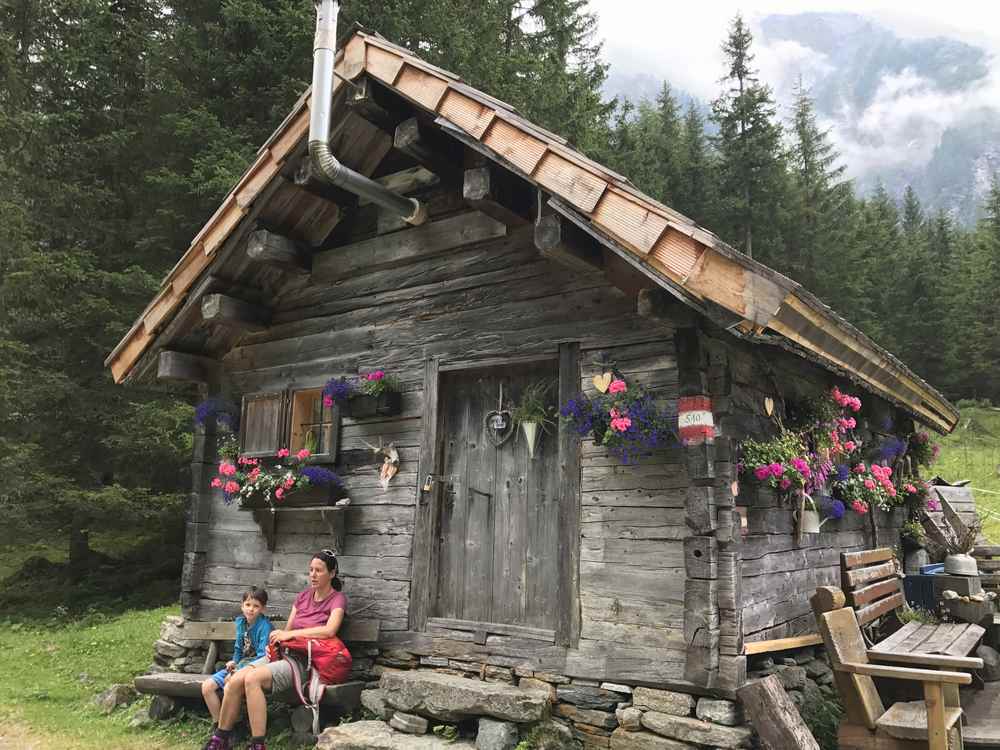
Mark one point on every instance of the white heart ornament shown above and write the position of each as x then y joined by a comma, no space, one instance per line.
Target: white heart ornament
769,406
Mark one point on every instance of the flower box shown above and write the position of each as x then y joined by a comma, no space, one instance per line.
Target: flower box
385,404
311,496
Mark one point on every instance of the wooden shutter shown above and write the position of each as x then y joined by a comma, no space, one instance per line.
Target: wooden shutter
263,423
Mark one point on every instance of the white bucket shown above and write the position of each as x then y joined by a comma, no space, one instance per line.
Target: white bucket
530,430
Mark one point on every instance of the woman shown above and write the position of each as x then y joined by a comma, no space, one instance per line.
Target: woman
317,613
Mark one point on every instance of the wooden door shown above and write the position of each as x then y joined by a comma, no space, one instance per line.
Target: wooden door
499,507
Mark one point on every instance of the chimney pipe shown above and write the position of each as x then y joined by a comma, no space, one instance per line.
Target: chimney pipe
324,51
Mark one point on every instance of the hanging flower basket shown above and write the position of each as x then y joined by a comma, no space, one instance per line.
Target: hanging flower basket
386,404
284,481
310,496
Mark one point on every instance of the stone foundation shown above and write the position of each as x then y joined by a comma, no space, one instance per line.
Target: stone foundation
578,713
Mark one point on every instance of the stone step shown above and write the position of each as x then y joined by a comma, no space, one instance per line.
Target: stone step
377,735
451,698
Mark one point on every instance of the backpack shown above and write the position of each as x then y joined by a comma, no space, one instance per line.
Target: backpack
315,664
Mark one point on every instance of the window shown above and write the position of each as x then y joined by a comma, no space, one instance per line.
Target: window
289,419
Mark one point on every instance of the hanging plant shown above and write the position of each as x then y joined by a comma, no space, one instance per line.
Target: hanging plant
533,414
625,419
252,482
372,394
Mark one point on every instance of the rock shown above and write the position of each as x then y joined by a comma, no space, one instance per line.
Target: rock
496,735
621,739
663,701
374,701
629,718
114,696
83,678
991,663
140,719
555,679
719,711
804,656
792,678
980,597
586,716
434,661
408,723
616,688
398,658
699,732
162,707
816,667
169,649
585,682
789,662
377,735
589,696
450,698
949,594
766,663
530,683
499,674
551,735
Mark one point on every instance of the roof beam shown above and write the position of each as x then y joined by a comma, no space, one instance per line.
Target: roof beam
482,190
235,313
185,368
555,243
413,141
276,250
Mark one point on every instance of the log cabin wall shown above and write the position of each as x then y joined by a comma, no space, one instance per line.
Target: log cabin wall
770,574
464,288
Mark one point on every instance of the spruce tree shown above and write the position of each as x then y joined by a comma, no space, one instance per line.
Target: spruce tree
696,171
749,146
817,200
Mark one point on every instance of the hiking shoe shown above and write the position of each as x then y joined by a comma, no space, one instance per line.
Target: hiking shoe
219,743
256,746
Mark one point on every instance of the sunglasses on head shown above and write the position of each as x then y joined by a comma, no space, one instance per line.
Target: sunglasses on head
328,553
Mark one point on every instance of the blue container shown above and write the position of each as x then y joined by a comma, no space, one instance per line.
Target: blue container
932,569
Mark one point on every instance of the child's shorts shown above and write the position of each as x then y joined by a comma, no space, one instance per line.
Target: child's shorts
220,676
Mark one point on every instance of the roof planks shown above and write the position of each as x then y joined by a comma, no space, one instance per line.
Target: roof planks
669,247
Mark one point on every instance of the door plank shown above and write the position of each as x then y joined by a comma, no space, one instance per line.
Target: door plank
478,490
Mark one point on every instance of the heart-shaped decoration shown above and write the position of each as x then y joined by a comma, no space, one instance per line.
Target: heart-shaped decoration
499,426
769,405
603,382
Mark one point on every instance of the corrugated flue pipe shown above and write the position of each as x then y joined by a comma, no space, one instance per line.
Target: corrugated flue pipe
324,51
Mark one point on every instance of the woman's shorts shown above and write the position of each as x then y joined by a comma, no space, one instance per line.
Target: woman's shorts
220,676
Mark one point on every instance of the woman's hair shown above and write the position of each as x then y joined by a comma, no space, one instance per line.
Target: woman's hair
256,593
330,561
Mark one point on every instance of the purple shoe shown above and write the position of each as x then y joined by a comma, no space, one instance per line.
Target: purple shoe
219,743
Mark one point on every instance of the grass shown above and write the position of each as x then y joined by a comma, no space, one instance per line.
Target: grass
972,451
52,673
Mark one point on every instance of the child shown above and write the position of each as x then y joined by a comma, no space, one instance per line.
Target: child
252,631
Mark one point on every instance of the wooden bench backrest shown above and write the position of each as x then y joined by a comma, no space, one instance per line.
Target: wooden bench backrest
845,644
357,631
988,561
871,583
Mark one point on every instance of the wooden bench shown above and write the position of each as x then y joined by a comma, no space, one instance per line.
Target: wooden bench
933,723
988,561
872,586
185,685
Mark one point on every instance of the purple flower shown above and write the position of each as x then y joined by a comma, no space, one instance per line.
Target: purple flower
891,449
842,473
338,389
831,507
320,477
224,412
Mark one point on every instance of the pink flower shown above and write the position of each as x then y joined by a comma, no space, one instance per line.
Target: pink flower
786,483
621,424
851,423
849,446
303,454
617,386
216,482
933,504
282,453
227,469
279,493
777,469
891,490
614,414
859,469
327,401
762,472
231,488
855,404
859,507
288,483
909,488
870,484
254,474
376,375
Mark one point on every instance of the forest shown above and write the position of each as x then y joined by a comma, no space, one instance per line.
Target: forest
123,123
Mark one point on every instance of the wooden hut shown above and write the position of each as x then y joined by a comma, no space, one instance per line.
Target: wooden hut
534,262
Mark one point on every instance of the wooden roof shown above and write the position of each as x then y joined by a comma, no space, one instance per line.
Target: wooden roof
680,256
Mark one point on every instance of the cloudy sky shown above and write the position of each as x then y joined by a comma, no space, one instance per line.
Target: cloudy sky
680,42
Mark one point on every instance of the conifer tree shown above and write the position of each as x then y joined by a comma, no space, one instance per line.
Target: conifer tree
696,171
749,146
818,199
